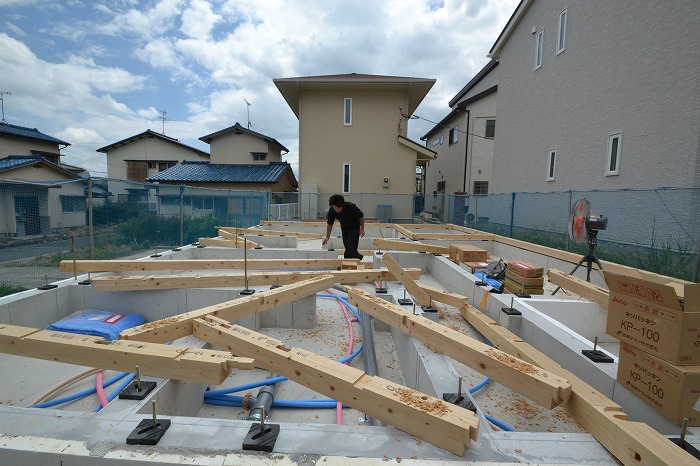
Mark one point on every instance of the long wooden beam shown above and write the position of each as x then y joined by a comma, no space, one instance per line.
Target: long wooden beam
633,443
122,265
443,424
170,282
411,286
180,325
581,287
227,243
261,232
174,362
523,377
399,245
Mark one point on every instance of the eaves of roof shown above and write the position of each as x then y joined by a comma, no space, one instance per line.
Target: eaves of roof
150,134
29,133
509,28
474,81
207,172
238,128
423,154
12,162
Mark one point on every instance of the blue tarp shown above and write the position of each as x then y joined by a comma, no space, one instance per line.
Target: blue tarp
103,324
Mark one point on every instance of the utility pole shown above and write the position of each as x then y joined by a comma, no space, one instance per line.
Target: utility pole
162,119
2,103
248,104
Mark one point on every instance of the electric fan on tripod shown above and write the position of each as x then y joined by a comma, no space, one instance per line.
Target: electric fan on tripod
583,226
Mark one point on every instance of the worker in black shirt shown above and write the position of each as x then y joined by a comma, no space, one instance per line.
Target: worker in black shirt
352,224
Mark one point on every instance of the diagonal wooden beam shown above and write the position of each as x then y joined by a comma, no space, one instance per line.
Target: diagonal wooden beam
174,362
541,386
227,243
581,287
399,245
443,424
633,443
122,265
169,282
411,286
180,325
261,232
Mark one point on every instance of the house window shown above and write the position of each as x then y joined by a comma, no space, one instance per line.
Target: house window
561,41
453,135
203,204
152,165
441,187
612,161
481,187
551,165
538,49
347,111
73,204
165,165
437,141
259,156
490,132
346,178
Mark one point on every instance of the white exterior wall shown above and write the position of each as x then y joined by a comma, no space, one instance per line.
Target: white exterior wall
629,66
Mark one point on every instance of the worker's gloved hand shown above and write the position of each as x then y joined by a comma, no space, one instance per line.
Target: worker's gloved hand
324,242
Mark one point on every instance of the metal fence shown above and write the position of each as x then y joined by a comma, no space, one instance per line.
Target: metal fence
42,223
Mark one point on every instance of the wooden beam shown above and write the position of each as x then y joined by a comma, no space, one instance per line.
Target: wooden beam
399,245
174,362
239,240
633,443
411,286
581,287
404,231
523,377
121,265
261,232
445,425
180,325
169,282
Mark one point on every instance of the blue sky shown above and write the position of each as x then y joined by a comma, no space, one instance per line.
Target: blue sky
92,73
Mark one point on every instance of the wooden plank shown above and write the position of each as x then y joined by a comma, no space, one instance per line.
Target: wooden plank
404,231
443,424
451,299
122,265
633,443
581,287
523,377
411,286
174,362
240,240
399,245
170,282
261,232
180,325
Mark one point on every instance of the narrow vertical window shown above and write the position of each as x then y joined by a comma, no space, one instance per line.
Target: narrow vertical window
538,49
347,111
490,132
551,165
612,163
346,178
452,137
561,40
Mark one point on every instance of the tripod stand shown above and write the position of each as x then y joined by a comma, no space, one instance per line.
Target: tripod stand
589,259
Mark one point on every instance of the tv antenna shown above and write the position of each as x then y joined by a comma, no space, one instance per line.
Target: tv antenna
248,104
2,103
162,118
583,226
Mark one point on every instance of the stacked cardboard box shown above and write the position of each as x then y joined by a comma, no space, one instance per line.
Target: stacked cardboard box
658,326
462,252
522,277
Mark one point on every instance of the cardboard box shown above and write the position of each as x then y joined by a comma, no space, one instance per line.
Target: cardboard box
509,286
672,390
649,316
468,253
475,267
524,269
525,281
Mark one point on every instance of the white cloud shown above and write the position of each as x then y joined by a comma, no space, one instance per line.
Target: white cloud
198,20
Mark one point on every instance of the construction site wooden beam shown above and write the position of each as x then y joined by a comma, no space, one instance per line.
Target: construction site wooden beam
404,231
399,245
537,384
225,243
261,232
121,265
445,425
170,282
174,362
633,443
180,325
581,287
411,286
239,240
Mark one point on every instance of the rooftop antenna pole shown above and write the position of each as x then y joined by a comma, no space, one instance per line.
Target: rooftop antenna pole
162,118
2,103
248,104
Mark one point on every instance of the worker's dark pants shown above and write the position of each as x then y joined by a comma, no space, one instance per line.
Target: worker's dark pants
351,238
